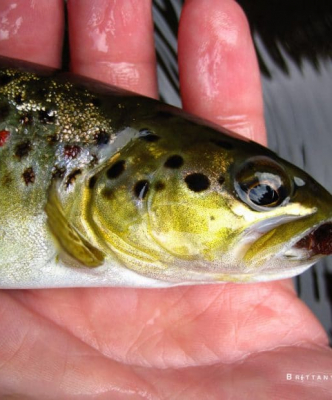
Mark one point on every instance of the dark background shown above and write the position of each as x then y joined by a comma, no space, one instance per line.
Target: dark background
293,41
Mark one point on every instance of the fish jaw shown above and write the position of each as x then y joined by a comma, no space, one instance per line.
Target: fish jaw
265,256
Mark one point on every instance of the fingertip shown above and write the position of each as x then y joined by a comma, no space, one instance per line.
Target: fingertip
32,30
219,73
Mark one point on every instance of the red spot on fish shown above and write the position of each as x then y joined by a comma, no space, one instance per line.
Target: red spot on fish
72,151
3,137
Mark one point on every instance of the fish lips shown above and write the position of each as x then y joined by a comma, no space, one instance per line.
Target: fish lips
309,245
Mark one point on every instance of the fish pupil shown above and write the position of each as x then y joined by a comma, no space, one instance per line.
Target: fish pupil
263,195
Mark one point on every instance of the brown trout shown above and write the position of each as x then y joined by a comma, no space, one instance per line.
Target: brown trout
103,187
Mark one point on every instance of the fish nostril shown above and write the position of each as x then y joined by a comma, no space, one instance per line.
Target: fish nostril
148,136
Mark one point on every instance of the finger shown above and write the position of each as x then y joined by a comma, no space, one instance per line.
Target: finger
39,360
219,74
32,30
113,41
179,327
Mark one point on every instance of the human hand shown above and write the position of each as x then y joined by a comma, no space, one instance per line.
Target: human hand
199,342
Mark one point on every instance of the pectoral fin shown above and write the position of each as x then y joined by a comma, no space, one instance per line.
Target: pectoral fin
71,242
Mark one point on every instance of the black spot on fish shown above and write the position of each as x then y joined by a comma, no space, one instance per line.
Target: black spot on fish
58,172
6,179
148,136
72,177
116,170
52,139
92,182
197,182
46,116
26,119
23,149
174,162
4,111
5,79
107,193
222,143
102,138
42,92
18,99
159,186
28,176
96,102
141,188
212,218
221,180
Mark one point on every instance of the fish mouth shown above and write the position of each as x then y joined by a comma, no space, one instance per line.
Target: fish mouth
307,246
313,244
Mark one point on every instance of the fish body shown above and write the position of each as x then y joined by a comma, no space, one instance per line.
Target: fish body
103,187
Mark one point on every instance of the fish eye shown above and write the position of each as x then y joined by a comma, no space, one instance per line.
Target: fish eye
262,184
263,193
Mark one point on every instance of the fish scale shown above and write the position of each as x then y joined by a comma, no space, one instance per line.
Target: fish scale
103,187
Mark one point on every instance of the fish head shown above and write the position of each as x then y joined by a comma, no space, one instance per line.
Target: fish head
214,209
243,212
286,217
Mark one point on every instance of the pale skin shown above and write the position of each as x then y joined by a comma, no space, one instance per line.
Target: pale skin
224,341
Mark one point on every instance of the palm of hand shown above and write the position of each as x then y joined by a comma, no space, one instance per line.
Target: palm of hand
208,342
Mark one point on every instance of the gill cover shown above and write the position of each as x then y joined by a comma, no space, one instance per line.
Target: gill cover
73,247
